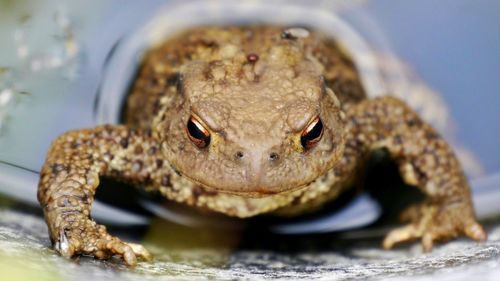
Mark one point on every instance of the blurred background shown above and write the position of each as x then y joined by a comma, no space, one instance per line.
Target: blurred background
52,51
66,65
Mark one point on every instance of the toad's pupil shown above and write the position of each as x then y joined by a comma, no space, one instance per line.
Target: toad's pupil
197,133
312,135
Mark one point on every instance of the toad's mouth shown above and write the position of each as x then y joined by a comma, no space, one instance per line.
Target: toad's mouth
248,189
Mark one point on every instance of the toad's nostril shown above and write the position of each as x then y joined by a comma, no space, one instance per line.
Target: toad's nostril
238,155
273,156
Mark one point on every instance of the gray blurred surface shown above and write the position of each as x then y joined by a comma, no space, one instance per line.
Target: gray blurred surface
25,255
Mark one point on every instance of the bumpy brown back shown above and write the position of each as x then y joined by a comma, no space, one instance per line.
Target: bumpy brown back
157,75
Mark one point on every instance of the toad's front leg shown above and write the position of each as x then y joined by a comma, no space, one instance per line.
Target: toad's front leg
426,161
69,179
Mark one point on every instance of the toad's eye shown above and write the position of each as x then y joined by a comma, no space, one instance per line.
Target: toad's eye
197,132
312,133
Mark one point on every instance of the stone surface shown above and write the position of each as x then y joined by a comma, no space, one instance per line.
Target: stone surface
190,254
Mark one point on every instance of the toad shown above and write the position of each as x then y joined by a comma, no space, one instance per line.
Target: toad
246,121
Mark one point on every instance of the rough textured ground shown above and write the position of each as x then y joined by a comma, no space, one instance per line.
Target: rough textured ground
200,255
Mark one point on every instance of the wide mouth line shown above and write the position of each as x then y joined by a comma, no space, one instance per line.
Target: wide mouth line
253,193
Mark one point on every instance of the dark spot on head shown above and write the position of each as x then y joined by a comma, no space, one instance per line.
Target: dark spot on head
108,156
431,135
156,106
398,139
296,201
355,120
138,149
413,122
196,192
173,79
148,180
181,147
152,150
124,142
421,175
354,143
159,163
155,81
200,191
252,58
274,156
108,129
76,143
165,180
222,134
429,150
175,170
115,173
215,63
209,43
56,168
85,196
238,155
321,81
180,85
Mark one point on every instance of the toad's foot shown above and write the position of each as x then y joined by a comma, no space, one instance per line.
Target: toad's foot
92,239
70,177
435,222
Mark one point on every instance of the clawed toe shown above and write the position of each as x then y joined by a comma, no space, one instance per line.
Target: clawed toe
130,252
119,248
63,245
431,223
140,251
399,235
476,232
70,243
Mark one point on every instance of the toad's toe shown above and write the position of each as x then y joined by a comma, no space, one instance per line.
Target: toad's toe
140,251
399,235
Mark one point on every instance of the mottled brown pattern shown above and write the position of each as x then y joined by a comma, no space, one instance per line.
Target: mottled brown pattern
158,74
255,90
